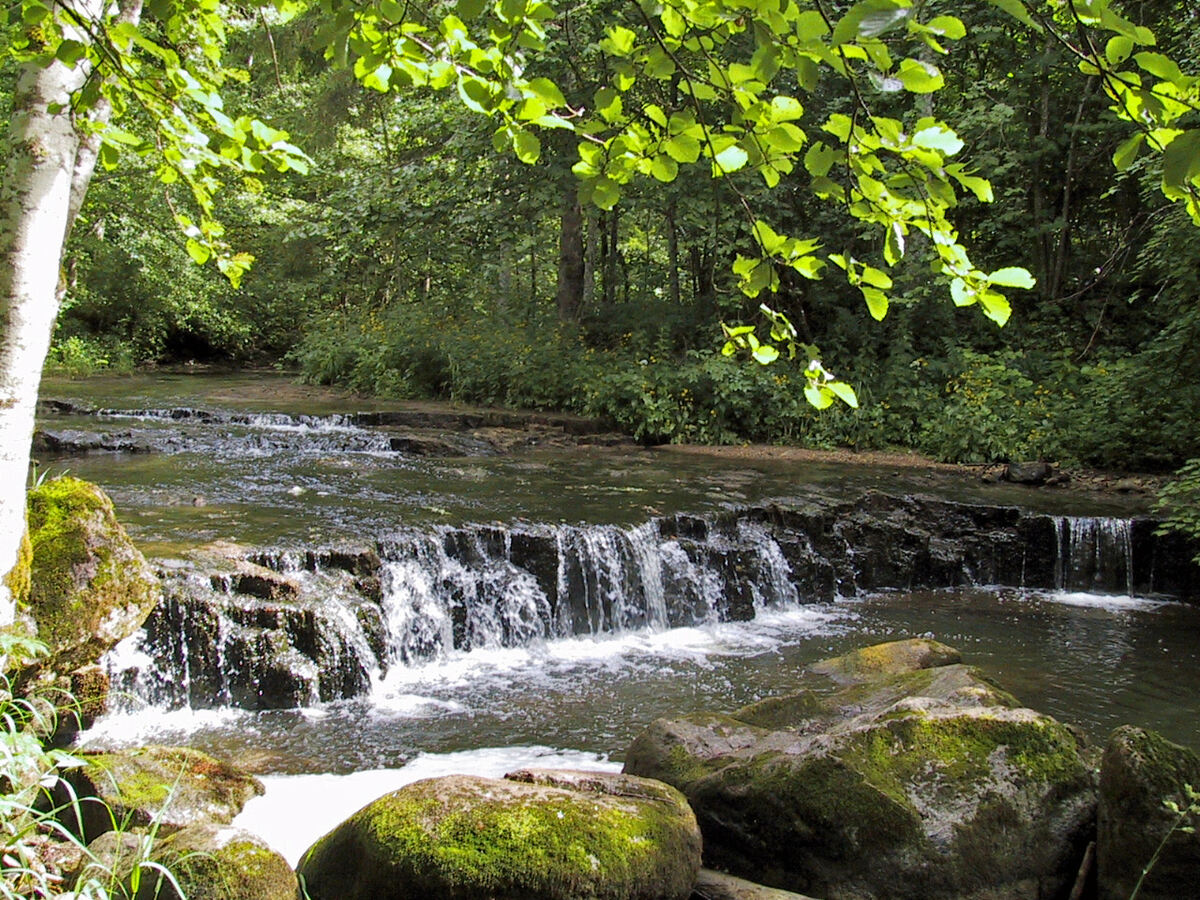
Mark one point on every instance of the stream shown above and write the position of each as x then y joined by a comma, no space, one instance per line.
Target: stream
258,461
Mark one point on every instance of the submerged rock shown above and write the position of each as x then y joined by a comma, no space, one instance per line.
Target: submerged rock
536,835
165,787
90,587
921,783
1141,773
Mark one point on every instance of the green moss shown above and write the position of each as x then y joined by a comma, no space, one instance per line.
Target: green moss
83,568
18,579
891,658
538,842
914,747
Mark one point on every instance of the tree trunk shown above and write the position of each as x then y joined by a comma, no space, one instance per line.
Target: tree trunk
591,247
35,206
50,166
672,255
570,258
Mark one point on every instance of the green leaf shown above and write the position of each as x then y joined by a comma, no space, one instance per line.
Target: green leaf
996,307
664,168
818,398
765,354
938,137
1161,66
786,109
199,253
1018,11
1013,277
548,92
877,302
620,41
605,193
786,137
683,148
919,77
527,147
1118,48
1125,154
948,26
730,159
70,52
819,159
1181,159
845,392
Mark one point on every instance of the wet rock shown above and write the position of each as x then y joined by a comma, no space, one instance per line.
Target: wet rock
239,649
80,442
90,588
1031,473
167,787
892,658
536,835
712,885
1140,773
932,774
1128,486
214,862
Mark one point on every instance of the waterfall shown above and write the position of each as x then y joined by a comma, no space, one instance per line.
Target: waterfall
282,629
1094,553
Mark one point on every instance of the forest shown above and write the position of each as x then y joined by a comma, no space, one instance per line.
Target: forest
970,232
414,260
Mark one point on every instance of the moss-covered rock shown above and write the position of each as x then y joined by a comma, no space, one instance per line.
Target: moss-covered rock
1142,770
18,579
919,783
89,586
891,658
537,835
214,862
168,787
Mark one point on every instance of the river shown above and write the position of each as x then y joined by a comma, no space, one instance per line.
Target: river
260,462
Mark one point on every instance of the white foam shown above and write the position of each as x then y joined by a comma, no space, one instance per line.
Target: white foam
1114,602
767,632
154,725
296,810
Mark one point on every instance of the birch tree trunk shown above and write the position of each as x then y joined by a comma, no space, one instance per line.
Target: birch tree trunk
35,214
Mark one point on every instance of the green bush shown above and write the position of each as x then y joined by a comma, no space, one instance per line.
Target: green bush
78,356
28,770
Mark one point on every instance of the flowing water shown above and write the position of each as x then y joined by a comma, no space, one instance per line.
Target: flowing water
626,625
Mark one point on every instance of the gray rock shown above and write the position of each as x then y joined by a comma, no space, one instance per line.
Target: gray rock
933,776
1140,772
711,885
165,787
1032,473
536,835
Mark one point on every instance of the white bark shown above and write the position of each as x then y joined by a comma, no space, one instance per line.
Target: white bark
34,214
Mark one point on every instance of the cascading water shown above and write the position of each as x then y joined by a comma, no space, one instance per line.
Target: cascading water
1094,554
288,630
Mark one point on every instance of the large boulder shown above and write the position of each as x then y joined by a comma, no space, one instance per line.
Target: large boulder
218,862
89,587
1141,773
169,788
536,835
918,783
